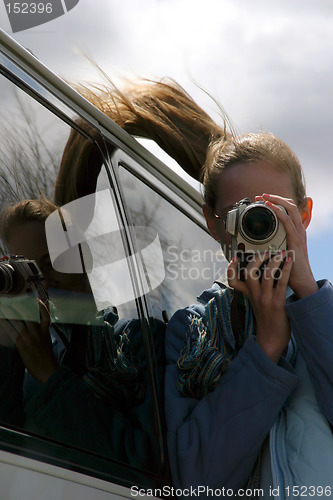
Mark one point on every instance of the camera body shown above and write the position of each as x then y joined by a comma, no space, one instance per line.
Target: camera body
19,275
255,228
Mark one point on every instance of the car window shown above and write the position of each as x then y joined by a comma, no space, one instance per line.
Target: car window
101,408
192,259
31,144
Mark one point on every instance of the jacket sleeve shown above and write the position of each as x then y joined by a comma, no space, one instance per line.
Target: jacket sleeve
215,442
311,320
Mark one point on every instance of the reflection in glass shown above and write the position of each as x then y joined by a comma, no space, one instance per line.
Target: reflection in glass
192,259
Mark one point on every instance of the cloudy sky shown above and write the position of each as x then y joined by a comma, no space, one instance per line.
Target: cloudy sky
270,63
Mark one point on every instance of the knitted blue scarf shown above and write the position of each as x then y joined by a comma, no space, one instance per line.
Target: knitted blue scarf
211,342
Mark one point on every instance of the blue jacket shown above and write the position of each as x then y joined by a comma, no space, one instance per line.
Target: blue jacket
215,441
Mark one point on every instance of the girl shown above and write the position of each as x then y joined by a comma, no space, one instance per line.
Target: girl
249,378
248,396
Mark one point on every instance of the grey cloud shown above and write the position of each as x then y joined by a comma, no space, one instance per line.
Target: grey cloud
268,63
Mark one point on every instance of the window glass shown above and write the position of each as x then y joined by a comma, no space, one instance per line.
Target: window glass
32,141
89,378
192,259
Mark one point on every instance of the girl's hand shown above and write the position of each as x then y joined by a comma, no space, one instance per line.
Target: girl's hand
267,298
33,341
301,281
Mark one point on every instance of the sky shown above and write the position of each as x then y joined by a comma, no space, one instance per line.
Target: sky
269,63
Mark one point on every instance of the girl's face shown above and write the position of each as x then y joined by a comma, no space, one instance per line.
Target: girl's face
240,181
29,240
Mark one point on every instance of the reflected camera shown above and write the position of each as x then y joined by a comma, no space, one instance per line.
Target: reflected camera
19,275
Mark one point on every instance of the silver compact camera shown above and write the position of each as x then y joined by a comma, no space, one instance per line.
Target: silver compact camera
255,228
19,275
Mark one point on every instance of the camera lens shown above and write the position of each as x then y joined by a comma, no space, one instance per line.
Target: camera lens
258,223
10,280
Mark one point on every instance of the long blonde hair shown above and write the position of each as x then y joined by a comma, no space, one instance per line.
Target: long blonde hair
159,110
162,111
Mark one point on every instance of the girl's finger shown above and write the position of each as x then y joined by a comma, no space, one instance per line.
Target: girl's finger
271,272
44,315
257,258
287,203
282,282
289,225
252,271
233,276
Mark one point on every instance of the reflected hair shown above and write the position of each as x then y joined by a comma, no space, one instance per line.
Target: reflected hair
24,211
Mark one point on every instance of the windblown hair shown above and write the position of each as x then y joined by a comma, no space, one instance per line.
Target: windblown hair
80,165
262,146
158,110
164,112
23,212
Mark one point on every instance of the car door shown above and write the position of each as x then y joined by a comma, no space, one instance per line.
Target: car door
91,444
136,229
